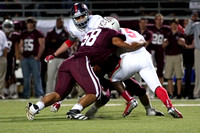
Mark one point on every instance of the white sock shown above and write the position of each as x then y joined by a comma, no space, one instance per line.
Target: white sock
13,89
78,106
40,104
33,109
6,91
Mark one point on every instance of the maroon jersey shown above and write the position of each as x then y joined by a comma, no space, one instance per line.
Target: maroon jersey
159,34
174,48
12,38
97,45
31,44
54,40
156,45
147,34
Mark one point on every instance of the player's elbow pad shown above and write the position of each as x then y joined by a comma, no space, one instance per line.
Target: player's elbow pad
69,43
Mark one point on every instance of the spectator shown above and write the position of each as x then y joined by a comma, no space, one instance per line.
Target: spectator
3,62
194,28
13,44
159,31
173,44
146,33
188,62
32,43
54,39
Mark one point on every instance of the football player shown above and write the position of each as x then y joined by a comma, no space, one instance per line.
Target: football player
32,45
96,47
77,27
80,23
143,65
159,31
13,39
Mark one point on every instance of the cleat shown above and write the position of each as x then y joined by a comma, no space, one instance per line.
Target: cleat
31,110
91,112
174,112
55,107
130,106
76,114
153,112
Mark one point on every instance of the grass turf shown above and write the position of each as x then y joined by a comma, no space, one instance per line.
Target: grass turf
107,120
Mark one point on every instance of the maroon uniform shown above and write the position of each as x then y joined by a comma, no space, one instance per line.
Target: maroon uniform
99,50
31,44
96,47
12,39
156,45
147,34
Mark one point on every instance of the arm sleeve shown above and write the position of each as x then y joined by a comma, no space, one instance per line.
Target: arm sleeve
69,43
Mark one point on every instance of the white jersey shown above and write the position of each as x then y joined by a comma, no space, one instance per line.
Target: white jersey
75,32
131,36
136,61
3,42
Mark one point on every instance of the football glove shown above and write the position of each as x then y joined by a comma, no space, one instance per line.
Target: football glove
49,58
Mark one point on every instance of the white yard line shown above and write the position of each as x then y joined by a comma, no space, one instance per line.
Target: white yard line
106,104
176,105
184,105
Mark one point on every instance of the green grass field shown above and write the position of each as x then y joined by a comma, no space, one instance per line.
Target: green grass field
107,120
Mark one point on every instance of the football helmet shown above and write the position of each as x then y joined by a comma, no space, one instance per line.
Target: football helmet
110,22
8,26
77,11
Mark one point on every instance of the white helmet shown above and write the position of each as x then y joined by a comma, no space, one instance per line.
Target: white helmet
8,26
110,22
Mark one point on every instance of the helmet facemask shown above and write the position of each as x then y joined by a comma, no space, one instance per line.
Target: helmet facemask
82,23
